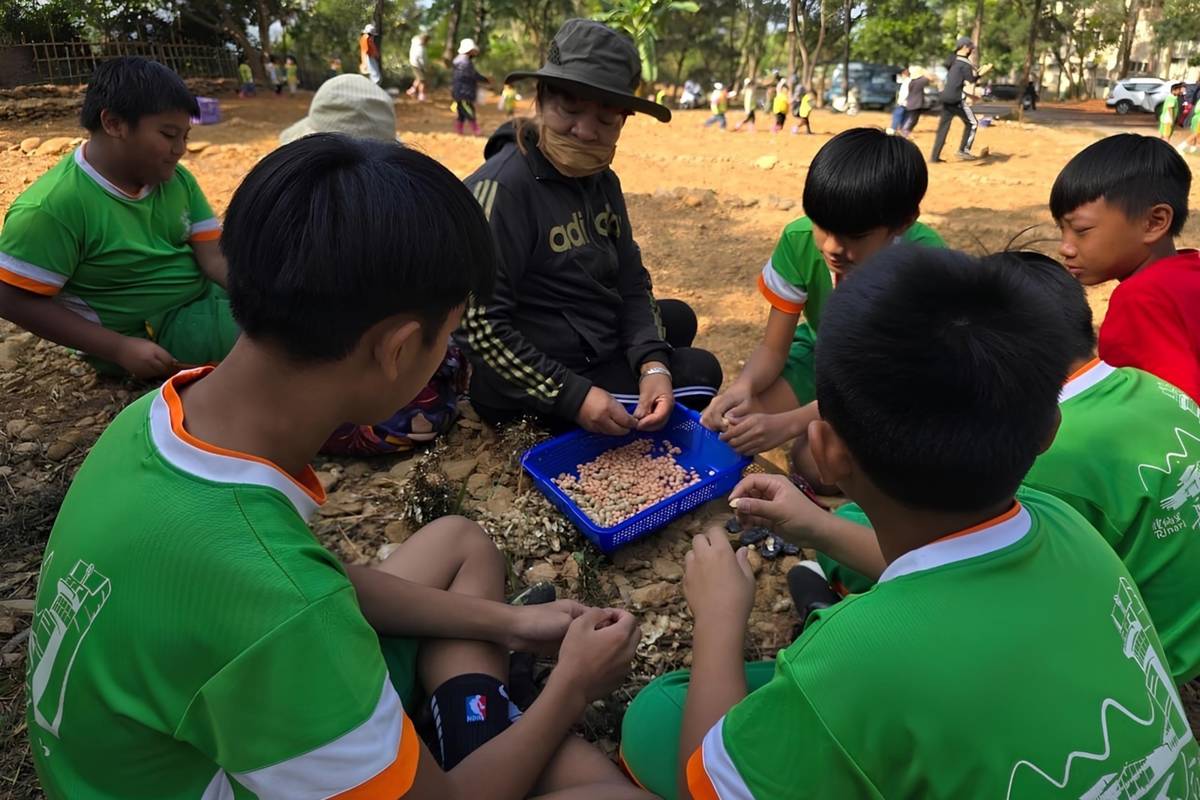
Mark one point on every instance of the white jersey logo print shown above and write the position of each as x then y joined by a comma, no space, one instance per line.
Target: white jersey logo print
1166,771
58,631
1184,461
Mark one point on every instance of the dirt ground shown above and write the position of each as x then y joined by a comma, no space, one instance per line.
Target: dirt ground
706,207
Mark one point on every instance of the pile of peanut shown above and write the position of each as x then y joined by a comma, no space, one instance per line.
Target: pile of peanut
621,482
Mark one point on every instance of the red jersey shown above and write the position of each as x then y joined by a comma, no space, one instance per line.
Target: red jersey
1153,322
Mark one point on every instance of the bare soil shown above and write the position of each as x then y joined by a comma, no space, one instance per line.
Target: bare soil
706,206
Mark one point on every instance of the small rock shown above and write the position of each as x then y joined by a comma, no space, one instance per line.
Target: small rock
30,144
26,448
31,432
786,204
501,501
766,162
755,560
198,147
329,480
397,531
478,484
693,201
64,446
54,146
400,470
459,470
541,571
15,426
386,550
666,570
653,595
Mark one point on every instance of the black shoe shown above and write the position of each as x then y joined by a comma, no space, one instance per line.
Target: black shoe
536,595
966,155
810,592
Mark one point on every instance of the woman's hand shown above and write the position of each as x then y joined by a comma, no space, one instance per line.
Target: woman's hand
601,413
656,399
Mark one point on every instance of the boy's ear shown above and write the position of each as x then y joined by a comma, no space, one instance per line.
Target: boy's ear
113,125
1053,432
1158,222
832,457
394,341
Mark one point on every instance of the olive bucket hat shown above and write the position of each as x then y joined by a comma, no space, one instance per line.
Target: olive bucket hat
594,61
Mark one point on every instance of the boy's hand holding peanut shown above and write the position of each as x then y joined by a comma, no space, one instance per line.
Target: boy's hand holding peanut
717,581
773,501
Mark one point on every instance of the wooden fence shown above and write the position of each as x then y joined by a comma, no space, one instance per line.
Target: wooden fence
74,62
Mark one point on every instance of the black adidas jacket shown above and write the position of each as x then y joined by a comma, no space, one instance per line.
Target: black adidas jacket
571,291
959,72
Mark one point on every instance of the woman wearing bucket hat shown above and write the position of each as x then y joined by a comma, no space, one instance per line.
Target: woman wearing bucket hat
368,46
572,330
466,85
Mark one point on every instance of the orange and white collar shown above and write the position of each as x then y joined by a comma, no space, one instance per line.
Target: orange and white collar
1085,378
987,537
217,464
105,183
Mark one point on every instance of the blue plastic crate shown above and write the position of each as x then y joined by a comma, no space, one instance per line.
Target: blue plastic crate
210,111
718,465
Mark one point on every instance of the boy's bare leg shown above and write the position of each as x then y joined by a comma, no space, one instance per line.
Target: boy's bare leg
454,554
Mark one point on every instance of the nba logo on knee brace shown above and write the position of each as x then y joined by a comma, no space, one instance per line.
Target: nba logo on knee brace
476,708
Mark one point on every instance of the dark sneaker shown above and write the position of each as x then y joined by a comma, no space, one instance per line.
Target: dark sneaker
809,590
536,595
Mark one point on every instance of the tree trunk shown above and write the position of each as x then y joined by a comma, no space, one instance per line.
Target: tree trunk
1029,48
236,31
453,18
1127,33
264,25
793,22
846,55
378,20
683,54
977,34
481,36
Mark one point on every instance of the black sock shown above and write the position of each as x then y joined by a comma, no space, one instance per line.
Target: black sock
467,711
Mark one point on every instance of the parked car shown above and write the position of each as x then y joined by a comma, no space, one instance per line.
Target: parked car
1003,91
1138,94
876,85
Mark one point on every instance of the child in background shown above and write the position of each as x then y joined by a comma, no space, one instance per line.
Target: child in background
863,192
292,71
1119,205
508,100
114,251
804,110
247,78
901,102
910,690
264,667
779,106
465,86
1106,462
748,104
274,76
718,102
1170,110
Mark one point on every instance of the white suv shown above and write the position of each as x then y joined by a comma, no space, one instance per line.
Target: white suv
1141,94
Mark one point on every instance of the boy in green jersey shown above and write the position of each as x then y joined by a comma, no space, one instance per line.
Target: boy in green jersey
192,638
1005,651
863,192
1123,458
114,251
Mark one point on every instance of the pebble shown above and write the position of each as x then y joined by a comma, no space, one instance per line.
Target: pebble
766,162
653,595
667,570
30,144
540,571
459,470
54,146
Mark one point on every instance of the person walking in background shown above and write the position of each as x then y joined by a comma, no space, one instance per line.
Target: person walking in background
718,102
779,105
1170,110
368,48
898,112
804,110
914,104
247,78
960,72
466,85
416,60
292,73
335,68
508,100
748,104
274,79
1030,96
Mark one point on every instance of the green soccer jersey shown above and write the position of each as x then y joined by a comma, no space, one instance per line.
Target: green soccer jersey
796,277
116,259
1011,660
245,73
193,639
1127,457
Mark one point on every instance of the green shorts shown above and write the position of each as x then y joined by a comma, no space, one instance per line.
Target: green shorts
400,656
650,730
798,369
843,579
199,332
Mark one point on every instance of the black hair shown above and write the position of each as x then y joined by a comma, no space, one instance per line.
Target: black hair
329,235
1132,172
862,179
1062,289
941,373
132,88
